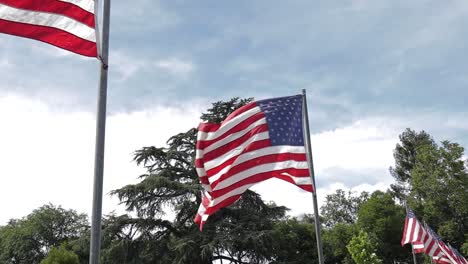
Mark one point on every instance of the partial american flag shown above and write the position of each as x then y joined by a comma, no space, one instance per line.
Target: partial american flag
459,258
68,24
259,141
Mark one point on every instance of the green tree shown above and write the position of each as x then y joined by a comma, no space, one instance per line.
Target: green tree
240,233
439,190
61,256
294,242
383,219
341,207
335,240
405,159
28,240
362,249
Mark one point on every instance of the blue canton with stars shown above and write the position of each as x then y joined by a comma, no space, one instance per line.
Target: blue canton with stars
284,119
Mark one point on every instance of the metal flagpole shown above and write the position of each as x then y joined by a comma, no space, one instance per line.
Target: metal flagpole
414,255
103,51
305,116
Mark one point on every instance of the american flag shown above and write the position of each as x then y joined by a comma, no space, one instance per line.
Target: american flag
413,232
68,24
434,246
259,141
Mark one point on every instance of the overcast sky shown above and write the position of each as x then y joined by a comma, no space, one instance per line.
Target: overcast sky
371,68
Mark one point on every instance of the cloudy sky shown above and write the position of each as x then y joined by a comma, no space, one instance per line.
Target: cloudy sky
371,69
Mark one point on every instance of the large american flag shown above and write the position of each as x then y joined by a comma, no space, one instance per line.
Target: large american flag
68,24
259,141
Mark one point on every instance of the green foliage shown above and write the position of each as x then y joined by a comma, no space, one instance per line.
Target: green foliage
28,240
295,242
464,248
335,241
61,256
382,218
341,207
362,249
405,159
441,170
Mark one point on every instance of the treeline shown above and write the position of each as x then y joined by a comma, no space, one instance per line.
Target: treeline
356,228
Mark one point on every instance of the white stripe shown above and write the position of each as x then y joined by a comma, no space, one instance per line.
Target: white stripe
201,172
87,5
306,180
201,209
260,169
234,136
206,187
259,153
418,246
234,152
228,125
49,20
198,153
416,231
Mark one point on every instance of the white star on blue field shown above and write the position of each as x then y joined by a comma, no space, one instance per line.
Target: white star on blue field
370,68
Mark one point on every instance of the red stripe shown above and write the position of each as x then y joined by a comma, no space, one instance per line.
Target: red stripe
258,178
202,144
199,163
404,231
208,127
239,111
259,161
216,153
204,180
53,36
251,147
226,202
55,7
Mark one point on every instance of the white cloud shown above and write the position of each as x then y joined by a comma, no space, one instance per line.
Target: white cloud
48,156
127,66
175,66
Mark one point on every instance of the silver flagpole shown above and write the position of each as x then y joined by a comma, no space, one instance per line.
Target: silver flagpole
103,54
305,116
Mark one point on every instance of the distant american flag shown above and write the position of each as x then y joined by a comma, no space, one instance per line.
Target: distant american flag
258,141
68,24
434,246
413,232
